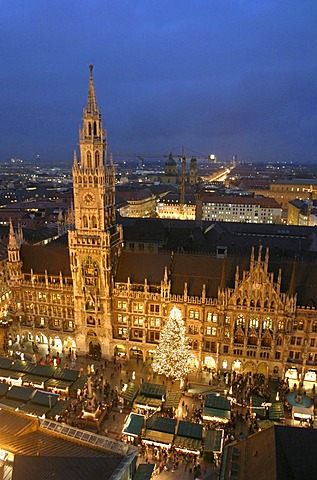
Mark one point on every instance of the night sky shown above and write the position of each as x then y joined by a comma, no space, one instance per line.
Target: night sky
215,76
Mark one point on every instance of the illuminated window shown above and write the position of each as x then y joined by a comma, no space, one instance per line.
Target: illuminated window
212,317
254,323
138,307
122,305
122,331
138,321
122,318
211,331
267,324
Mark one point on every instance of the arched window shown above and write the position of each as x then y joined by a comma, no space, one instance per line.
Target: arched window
267,324
89,165
273,304
94,222
240,322
89,129
254,323
280,325
245,302
97,159
85,222
238,301
95,129
258,304
314,327
91,320
266,304
279,341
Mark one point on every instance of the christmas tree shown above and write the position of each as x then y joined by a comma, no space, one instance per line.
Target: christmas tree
173,351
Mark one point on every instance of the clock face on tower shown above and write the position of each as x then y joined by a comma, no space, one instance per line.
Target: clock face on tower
89,198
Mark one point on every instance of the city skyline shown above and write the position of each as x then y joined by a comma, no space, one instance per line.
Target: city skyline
232,78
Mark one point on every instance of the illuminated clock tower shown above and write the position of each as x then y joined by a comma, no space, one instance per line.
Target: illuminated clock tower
96,240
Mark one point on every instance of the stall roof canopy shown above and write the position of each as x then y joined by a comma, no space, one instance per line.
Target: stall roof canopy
130,393
216,401
133,424
161,424
45,398
59,408
144,471
4,373
35,379
256,407
214,413
56,383
214,440
22,366
173,399
79,383
143,402
34,409
158,437
66,374
11,403
21,393
4,387
153,390
190,429
276,411
43,370
5,362
185,443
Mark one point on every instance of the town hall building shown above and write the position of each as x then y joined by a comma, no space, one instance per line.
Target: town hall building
247,306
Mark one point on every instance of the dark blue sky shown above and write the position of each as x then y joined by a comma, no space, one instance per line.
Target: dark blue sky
217,76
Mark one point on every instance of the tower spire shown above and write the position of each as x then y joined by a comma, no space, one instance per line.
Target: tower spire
12,243
92,102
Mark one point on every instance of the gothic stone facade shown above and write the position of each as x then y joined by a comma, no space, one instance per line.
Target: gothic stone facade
243,313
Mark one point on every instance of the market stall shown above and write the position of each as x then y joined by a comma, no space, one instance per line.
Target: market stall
258,406
188,438
59,409
276,412
145,471
159,431
216,408
128,393
151,397
132,428
214,441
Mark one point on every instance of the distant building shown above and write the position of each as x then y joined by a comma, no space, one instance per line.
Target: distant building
135,202
240,209
170,207
302,212
283,191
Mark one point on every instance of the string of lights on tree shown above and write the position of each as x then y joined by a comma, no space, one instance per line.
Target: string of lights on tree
173,351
